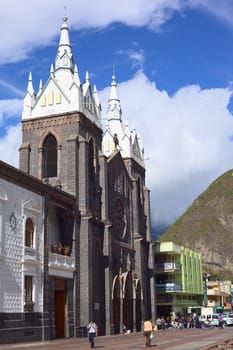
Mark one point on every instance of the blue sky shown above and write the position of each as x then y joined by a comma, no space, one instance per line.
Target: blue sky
173,61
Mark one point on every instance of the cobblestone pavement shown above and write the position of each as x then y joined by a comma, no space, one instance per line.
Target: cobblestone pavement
186,339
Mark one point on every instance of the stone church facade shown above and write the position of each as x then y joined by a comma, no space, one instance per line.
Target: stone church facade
79,211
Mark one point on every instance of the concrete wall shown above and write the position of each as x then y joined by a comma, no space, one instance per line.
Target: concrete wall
18,204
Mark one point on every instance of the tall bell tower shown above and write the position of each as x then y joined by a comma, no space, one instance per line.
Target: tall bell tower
62,129
61,145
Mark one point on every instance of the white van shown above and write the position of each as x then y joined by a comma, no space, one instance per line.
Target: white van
212,320
209,320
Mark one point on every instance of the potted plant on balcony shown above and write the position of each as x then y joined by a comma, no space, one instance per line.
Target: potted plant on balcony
60,247
67,250
54,247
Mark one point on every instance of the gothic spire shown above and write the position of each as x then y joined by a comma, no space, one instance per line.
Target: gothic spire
64,58
113,91
114,107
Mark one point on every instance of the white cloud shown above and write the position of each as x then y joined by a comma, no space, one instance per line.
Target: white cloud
31,24
10,108
185,136
10,133
136,56
9,145
223,10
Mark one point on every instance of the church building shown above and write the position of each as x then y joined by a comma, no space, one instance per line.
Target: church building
75,237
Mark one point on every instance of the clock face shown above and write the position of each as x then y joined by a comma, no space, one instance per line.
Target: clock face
119,219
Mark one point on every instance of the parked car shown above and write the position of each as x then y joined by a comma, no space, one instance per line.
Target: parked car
228,319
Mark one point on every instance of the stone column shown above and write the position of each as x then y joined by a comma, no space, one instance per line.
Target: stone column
40,162
135,208
83,176
24,157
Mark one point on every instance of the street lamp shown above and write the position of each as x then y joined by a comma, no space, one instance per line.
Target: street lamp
206,277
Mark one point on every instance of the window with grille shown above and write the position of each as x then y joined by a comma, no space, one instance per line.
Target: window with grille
28,289
28,294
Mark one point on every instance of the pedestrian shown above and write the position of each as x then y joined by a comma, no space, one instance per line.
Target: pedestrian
220,321
148,332
92,332
163,323
124,329
158,323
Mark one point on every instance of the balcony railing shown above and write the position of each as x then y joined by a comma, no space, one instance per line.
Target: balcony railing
165,287
168,266
29,254
61,265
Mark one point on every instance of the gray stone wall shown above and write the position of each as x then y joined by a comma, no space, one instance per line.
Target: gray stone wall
20,327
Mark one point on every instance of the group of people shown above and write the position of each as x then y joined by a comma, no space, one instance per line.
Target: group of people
149,328
180,322
163,323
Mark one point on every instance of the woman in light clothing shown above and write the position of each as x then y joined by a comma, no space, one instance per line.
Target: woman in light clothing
92,332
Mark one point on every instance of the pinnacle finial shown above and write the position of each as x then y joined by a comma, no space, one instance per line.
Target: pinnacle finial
65,18
87,77
30,88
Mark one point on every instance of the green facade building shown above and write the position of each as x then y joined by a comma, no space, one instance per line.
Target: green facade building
178,275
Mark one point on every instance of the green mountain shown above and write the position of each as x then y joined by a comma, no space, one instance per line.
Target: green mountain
207,226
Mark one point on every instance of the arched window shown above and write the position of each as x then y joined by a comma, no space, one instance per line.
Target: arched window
50,157
29,233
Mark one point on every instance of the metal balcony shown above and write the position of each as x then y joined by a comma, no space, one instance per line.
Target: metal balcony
168,287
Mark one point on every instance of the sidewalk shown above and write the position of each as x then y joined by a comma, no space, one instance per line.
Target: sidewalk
186,339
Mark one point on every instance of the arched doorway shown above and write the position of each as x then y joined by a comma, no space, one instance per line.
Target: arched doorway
138,305
128,300
116,305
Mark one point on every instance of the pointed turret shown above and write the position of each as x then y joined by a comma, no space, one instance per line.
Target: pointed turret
30,88
113,91
76,75
96,96
86,84
87,77
29,99
51,71
40,87
97,102
118,134
64,57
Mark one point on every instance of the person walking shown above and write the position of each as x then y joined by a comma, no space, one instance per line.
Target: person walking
147,331
92,332
220,321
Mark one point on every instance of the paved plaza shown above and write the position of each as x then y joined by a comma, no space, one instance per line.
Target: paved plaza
186,339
